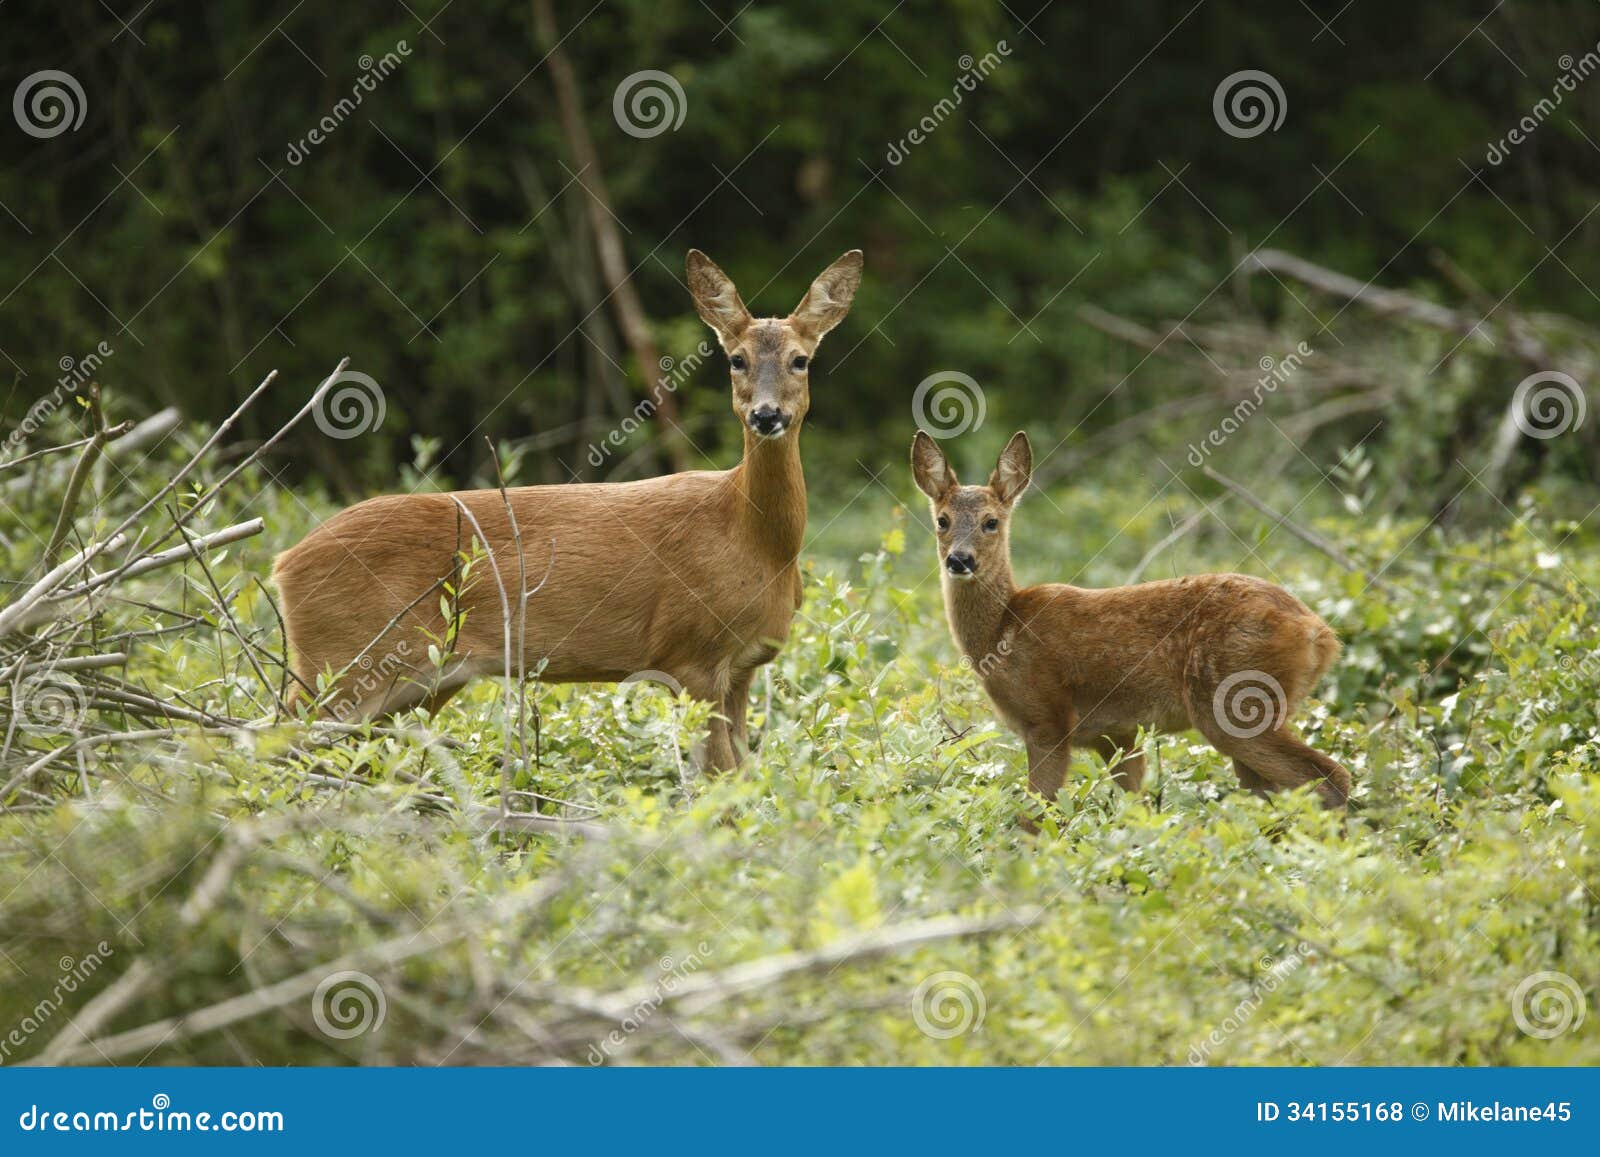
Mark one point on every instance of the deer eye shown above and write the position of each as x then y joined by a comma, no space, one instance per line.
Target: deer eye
799,363
737,361
944,523
991,524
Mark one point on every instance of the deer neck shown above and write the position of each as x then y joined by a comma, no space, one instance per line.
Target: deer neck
771,488
978,609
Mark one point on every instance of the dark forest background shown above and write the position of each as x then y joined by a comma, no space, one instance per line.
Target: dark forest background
443,235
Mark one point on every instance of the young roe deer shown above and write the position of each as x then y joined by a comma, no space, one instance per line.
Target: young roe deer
692,575
1226,655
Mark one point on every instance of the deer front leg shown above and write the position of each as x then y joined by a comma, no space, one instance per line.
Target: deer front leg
737,709
1048,757
716,752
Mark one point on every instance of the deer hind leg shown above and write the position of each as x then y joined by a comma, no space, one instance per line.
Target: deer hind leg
1249,780
1278,761
1129,773
1250,723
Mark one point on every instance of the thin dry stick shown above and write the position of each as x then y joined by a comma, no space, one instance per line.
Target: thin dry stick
80,475
1154,552
1310,537
505,633
205,448
11,619
221,602
150,562
522,639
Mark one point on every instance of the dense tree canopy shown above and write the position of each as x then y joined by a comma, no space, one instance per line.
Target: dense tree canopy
254,188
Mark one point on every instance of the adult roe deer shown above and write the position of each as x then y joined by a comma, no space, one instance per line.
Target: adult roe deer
692,575
1227,655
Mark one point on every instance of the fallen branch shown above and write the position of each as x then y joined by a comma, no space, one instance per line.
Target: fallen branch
1304,534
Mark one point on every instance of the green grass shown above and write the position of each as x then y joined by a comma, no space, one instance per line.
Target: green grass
1195,923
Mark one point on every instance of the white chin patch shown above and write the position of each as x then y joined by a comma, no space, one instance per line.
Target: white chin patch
965,577
776,434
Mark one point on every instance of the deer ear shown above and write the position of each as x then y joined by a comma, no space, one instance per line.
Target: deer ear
828,300
931,468
1013,470
715,298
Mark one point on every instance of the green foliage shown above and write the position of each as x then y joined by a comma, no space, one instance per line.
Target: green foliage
1085,169
1194,924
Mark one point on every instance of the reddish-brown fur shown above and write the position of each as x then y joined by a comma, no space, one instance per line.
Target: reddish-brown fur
693,575
1227,655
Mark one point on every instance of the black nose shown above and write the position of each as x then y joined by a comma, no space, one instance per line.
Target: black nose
767,420
961,562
